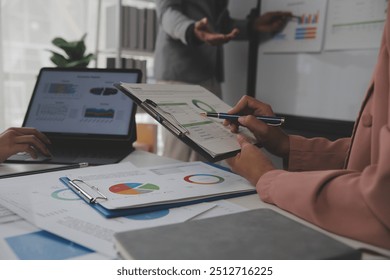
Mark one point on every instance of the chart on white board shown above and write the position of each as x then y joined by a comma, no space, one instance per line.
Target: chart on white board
304,32
355,24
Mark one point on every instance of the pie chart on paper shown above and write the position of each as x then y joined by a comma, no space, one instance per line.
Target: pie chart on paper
133,188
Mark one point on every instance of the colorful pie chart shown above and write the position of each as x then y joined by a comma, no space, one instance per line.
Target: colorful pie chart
64,194
133,188
203,106
204,179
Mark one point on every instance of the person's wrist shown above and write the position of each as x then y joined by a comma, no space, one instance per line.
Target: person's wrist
279,144
255,24
258,26
285,148
191,38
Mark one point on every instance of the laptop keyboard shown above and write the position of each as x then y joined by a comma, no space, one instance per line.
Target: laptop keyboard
73,153
70,154
24,156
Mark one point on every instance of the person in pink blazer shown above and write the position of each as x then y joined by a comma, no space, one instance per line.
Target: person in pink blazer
341,186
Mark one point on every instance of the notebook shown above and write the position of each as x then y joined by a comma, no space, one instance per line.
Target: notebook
86,118
252,235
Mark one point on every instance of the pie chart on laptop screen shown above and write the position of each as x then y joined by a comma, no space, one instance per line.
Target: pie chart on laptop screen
133,188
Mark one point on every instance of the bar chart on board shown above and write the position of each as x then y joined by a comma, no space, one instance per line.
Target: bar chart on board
304,32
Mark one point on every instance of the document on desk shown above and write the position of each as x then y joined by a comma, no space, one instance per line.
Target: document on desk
44,201
178,107
57,210
20,240
7,216
121,191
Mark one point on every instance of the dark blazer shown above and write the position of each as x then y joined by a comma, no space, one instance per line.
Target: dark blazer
177,60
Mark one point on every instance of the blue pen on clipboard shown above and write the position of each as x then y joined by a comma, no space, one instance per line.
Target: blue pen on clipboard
273,121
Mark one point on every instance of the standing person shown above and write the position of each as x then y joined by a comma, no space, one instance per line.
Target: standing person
189,48
341,186
23,139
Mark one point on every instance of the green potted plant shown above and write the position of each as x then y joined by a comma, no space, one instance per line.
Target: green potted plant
74,53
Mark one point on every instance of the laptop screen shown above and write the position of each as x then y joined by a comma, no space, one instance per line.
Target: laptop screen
82,102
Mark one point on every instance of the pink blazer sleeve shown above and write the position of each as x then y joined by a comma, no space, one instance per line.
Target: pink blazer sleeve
317,153
350,203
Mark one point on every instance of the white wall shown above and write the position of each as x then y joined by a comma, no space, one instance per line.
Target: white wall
236,56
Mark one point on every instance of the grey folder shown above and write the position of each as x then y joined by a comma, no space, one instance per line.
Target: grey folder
256,234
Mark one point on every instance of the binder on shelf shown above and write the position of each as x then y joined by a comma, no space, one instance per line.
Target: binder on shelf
141,29
125,26
129,63
110,63
133,28
178,108
152,189
151,29
141,65
110,27
138,28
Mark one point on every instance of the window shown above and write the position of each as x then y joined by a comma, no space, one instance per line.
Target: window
27,29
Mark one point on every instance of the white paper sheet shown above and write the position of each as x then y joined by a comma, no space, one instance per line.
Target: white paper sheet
302,34
355,24
7,216
22,240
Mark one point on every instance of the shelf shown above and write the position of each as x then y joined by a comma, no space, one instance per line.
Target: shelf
128,52
129,36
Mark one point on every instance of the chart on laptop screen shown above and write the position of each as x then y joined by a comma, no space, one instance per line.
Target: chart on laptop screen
80,102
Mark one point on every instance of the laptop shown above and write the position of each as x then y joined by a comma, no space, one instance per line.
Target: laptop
85,117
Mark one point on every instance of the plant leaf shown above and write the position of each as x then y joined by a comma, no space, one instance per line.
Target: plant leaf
59,42
75,50
82,62
59,59
83,37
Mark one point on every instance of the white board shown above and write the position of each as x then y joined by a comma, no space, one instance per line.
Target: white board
329,85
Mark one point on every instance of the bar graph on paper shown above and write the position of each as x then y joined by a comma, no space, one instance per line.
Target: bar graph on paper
355,24
307,26
304,32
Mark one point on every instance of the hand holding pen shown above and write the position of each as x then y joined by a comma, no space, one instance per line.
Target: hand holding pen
271,137
273,121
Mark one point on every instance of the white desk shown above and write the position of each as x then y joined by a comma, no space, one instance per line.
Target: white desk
143,159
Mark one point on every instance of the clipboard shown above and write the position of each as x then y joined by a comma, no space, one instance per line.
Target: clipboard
95,197
152,105
108,213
